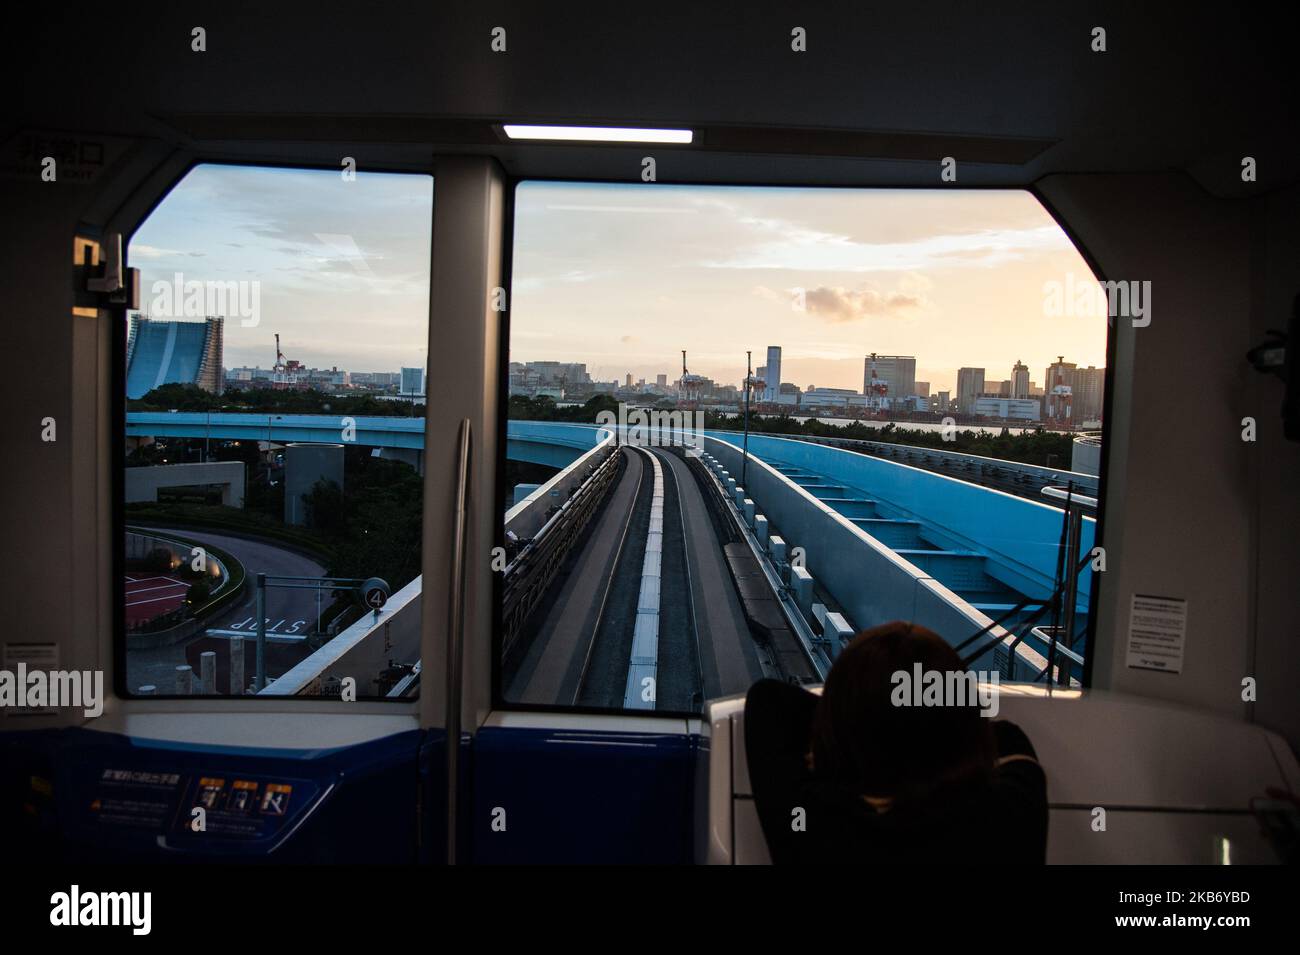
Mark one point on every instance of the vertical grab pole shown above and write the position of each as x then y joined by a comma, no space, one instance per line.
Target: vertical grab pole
1071,589
455,638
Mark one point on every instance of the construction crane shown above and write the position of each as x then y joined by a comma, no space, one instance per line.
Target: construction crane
690,386
284,373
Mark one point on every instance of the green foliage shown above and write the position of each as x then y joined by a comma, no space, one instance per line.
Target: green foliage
188,397
217,517
325,508
543,408
374,523
198,593
159,559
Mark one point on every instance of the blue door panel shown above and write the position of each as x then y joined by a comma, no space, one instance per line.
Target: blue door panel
581,797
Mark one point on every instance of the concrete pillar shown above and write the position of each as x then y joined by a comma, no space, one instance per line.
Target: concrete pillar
522,491
208,672
738,495
819,614
801,582
760,530
747,506
836,632
184,680
731,486
237,666
776,547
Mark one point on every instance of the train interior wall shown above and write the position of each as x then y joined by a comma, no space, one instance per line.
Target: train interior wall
1222,272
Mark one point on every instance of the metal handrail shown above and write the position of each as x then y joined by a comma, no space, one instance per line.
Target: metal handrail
533,568
1071,497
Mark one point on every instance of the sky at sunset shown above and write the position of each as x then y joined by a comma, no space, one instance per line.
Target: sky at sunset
622,277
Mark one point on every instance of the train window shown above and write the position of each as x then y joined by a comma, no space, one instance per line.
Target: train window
854,341
273,435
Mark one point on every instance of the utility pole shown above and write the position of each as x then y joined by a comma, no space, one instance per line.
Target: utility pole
744,461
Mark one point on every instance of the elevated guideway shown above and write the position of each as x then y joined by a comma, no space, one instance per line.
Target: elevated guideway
365,430
1013,477
884,540
880,539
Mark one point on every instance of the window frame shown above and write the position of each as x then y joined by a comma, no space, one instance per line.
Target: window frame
120,325
512,183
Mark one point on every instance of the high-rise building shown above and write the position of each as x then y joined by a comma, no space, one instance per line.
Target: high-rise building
970,385
896,372
1089,393
412,381
1019,380
773,375
661,381
169,352
560,373
923,389
944,401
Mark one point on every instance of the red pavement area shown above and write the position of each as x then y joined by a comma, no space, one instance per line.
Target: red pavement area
148,595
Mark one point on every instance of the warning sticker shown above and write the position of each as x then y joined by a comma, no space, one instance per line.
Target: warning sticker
1157,632
42,657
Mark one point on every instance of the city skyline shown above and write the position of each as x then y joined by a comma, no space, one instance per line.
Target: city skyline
605,272
623,276
342,265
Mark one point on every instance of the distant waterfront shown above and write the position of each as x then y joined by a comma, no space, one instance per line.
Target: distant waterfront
910,425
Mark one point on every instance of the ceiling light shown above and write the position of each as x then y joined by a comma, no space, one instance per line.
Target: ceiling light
599,134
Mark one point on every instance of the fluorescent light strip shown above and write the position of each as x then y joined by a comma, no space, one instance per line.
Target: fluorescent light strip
599,134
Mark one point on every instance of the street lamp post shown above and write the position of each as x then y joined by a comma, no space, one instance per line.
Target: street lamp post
744,461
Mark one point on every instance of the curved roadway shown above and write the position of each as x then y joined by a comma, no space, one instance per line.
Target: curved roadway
288,611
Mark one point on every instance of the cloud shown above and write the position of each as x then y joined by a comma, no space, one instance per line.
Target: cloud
851,305
808,250
141,251
346,248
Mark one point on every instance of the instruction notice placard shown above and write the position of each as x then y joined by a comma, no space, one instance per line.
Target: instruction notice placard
1157,631
34,656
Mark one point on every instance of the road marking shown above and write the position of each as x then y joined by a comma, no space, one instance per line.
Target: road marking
145,590
270,637
151,600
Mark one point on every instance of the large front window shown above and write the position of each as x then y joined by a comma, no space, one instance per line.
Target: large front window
908,370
